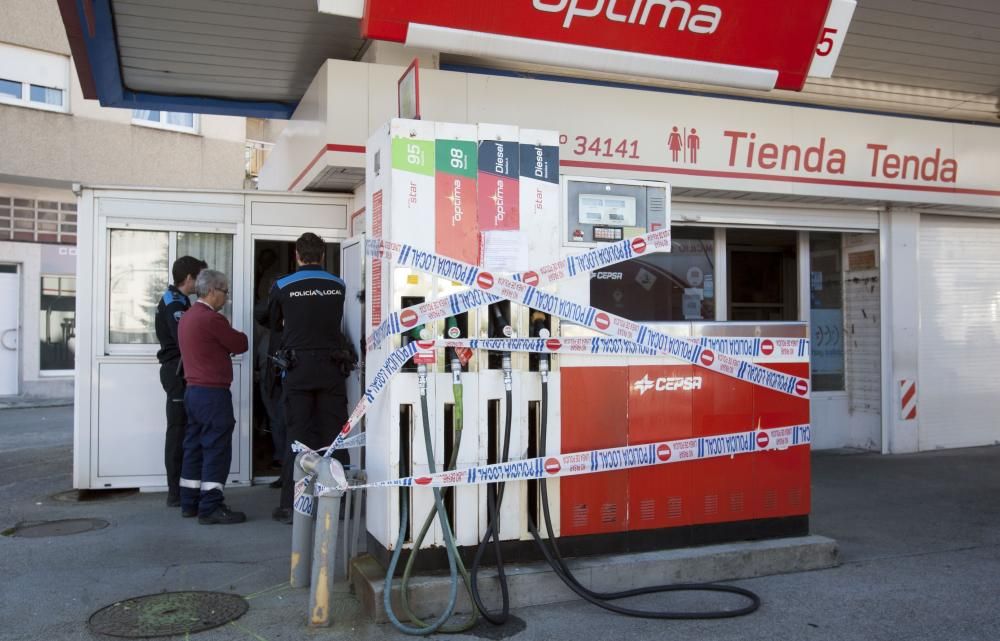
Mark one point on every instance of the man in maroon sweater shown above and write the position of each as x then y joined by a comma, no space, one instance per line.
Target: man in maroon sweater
207,342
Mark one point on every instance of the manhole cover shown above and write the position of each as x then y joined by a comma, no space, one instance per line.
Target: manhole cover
63,527
88,496
168,614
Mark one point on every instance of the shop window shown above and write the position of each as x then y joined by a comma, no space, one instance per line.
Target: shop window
57,329
139,273
31,78
762,275
173,120
214,249
675,286
826,311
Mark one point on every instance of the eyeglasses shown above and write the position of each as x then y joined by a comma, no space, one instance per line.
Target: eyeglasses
224,291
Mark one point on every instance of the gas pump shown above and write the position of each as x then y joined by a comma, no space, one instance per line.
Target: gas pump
408,201
455,410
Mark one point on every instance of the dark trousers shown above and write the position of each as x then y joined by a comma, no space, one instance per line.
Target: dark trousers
274,405
208,447
173,449
313,417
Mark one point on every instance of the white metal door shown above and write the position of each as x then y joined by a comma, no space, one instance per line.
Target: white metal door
959,332
9,332
352,268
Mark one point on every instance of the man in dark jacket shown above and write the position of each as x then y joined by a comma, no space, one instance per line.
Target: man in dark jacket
169,310
207,342
307,308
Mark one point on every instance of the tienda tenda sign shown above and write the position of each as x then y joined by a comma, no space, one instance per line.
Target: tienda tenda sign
759,44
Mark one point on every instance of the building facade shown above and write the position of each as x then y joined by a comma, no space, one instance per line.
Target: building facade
879,229
54,139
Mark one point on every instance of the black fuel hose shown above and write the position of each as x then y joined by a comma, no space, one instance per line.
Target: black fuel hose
494,501
601,599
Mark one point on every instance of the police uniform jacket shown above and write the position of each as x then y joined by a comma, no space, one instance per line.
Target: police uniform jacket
306,309
169,310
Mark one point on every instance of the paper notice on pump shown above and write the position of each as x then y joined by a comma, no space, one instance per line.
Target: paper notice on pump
504,251
540,194
456,232
412,198
499,176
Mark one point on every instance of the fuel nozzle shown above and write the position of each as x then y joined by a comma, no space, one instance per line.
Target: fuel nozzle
538,325
501,325
456,369
451,330
540,329
414,334
422,378
508,382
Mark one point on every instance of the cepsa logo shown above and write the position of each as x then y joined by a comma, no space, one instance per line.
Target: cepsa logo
678,14
667,384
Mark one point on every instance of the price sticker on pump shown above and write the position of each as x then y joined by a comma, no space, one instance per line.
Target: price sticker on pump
425,353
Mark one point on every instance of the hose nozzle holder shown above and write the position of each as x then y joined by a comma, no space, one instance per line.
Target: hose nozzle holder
422,378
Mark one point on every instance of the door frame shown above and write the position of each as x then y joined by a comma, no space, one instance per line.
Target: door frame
266,234
18,327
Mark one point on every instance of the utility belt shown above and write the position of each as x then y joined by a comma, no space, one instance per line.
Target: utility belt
287,359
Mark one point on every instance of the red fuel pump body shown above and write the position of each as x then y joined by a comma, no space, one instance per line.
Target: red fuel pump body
708,500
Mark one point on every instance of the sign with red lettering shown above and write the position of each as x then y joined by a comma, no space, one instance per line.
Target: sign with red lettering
714,41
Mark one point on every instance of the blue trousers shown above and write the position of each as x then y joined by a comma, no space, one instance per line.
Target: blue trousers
208,447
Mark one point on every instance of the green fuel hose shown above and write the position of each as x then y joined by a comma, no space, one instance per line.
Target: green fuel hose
457,425
442,514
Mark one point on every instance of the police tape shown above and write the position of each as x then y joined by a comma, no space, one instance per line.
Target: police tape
683,348
393,363
358,440
308,488
764,348
303,497
570,267
422,313
457,271
613,459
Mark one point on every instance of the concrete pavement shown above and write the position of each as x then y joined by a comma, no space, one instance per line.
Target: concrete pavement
919,540
29,402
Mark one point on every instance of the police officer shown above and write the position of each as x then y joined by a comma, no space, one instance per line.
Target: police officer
169,310
306,309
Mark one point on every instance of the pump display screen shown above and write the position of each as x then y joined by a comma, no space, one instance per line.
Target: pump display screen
595,209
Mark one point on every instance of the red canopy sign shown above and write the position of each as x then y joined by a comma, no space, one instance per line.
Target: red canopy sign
720,35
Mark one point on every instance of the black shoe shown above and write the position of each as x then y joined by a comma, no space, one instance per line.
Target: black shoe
282,515
222,515
189,513
275,484
173,500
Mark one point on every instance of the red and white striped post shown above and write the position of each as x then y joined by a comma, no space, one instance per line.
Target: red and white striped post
907,400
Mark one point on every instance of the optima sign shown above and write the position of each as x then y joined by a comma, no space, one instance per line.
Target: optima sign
761,44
